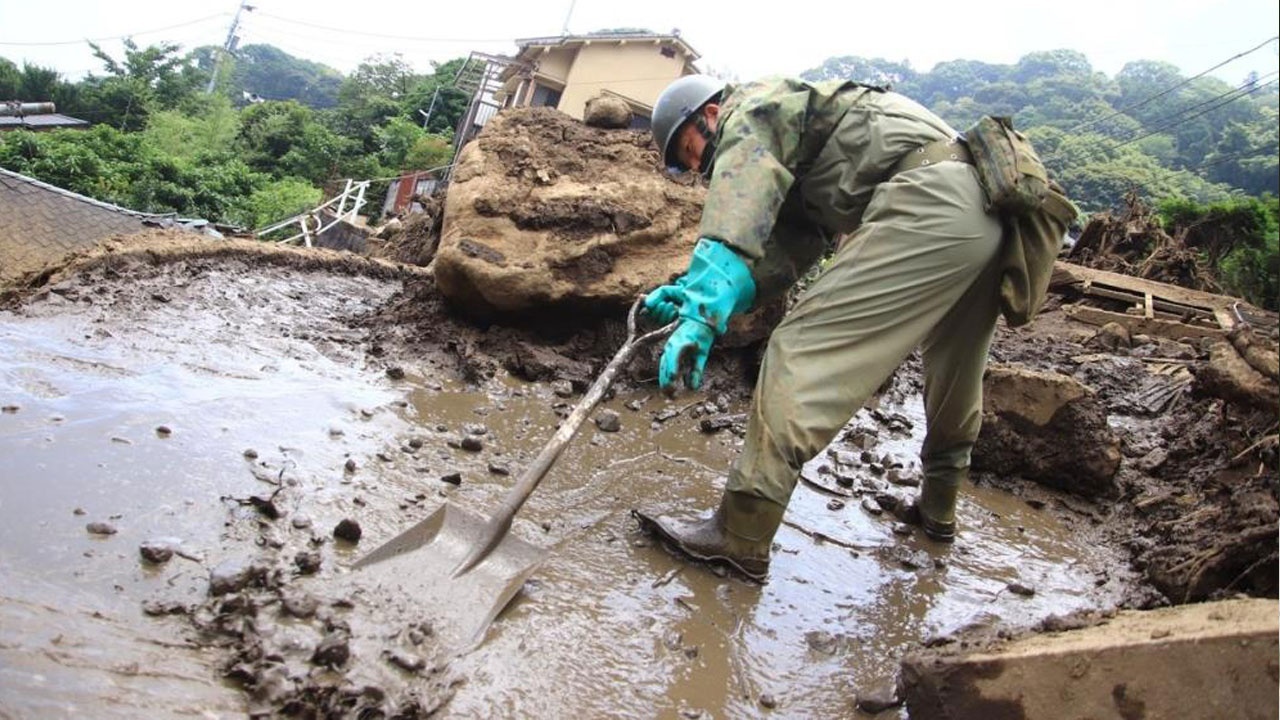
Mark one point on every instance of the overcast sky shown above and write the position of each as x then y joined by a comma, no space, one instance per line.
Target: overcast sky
751,39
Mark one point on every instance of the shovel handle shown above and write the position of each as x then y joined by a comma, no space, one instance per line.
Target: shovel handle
500,521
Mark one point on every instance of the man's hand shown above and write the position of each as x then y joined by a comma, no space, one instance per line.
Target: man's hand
685,355
663,304
717,286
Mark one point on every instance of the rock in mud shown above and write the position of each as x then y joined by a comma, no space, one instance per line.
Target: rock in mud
157,551
877,700
499,468
608,421
101,528
234,575
822,641
405,661
156,607
300,604
471,443
348,530
453,478
164,431
1048,428
307,562
562,388
333,650
250,454
1018,588
350,466
395,373
768,701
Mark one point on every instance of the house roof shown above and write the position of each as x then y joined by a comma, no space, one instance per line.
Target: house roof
539,43
43,121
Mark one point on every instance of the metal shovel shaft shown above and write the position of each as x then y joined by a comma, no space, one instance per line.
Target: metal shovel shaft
500,521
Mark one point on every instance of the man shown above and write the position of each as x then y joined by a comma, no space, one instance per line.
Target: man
793,165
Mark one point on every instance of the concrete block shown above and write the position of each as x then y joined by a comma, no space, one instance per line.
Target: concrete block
1209,660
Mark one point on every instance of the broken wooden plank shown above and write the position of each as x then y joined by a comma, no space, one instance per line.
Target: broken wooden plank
1067,274
1140,325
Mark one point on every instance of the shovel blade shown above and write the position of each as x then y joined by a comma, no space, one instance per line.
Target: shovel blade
418,564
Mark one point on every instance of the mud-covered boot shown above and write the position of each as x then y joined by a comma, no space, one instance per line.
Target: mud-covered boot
935,510
739,533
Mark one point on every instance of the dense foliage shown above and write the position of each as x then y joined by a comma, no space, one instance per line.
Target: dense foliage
1148,129
275,134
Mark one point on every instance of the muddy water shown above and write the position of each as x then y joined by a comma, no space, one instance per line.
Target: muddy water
137,411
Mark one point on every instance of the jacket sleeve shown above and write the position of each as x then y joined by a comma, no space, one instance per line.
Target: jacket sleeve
755,164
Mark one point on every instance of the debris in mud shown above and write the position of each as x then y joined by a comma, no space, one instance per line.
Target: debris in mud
348,530
877,700
307,562
1134,243
157,551
333,651
608,421
100,528
1021,589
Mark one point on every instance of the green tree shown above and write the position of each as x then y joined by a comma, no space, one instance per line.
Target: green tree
1239,237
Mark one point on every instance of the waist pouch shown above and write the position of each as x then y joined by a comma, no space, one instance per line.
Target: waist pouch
1033,209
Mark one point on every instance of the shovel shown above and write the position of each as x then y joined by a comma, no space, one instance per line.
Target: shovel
467,568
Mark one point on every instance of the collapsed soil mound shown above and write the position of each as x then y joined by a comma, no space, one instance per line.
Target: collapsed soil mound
1134,243
545,214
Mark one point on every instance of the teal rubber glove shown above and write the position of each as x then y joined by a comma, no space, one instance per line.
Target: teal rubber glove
717,286
685,354
663,304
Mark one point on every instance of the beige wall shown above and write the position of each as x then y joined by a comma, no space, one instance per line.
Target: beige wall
555,63
636,70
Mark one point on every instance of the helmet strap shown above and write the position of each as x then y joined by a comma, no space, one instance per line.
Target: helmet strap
709,147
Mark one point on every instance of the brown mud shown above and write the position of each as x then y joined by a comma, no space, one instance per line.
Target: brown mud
225,408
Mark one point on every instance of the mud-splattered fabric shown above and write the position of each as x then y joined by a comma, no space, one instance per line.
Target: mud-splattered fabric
800,164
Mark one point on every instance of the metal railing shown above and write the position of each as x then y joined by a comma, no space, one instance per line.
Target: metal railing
311,224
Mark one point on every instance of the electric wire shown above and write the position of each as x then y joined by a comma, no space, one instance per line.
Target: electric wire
1175,86
1182,116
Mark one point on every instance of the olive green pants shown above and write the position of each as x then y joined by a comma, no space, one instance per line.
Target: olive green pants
920,271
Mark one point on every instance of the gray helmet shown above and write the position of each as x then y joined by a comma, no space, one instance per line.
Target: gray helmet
678,101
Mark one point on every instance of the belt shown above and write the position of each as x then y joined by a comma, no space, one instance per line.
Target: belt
952,149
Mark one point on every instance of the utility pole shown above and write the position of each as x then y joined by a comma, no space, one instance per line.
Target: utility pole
426,116
228,45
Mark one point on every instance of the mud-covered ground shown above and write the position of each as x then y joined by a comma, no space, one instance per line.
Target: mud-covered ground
202,438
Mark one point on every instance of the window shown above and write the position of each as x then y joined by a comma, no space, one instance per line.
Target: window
668,51
544,96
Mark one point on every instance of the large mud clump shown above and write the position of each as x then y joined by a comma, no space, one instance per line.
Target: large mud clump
545,214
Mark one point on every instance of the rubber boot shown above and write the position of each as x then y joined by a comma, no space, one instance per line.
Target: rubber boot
937,503
739,533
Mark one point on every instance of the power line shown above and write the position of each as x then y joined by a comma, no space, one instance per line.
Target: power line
1181,116
1236,156
115,37
1171,88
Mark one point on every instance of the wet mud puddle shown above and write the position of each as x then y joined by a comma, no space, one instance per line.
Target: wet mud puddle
150,449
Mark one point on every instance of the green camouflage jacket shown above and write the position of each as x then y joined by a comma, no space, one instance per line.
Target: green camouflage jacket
796,164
